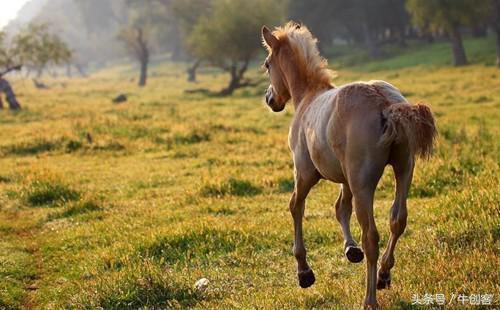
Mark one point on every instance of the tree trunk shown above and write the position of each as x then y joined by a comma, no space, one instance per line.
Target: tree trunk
143,56
68,70
191,71
459,57
233,83
498,46
402,38
144,72
479,31
9,93
39,72
177,53
81,70
370,42
495,24
236,77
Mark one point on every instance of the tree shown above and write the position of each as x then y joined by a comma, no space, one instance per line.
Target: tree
136,42
33,46
448,15
142,27
495,23
368,23
228,37
7,64
36,47
187,13
7,89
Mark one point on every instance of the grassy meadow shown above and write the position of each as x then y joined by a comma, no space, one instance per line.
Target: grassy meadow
127,206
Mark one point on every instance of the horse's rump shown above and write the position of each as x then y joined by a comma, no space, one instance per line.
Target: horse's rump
401,121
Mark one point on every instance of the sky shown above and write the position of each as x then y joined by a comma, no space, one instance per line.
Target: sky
9,9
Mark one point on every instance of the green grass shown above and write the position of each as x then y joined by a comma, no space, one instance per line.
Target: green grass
173,187
478,50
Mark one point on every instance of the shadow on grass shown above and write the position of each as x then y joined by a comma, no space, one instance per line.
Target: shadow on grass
76,208
242,91
48,193
231,187
204,246
64,144
33,147
286,185
146,285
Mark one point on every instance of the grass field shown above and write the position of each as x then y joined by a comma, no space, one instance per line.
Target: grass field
128,205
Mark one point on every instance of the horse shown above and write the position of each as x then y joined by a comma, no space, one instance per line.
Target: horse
346,135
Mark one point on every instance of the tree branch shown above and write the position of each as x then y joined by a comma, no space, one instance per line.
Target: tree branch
9,69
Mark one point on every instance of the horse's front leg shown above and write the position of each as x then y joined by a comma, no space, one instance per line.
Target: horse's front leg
303,183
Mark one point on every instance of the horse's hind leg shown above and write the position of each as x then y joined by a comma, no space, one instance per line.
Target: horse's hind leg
363,202
343,211
403,164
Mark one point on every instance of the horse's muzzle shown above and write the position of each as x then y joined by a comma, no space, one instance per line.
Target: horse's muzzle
271,102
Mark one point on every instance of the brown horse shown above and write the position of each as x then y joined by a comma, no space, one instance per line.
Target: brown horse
346,135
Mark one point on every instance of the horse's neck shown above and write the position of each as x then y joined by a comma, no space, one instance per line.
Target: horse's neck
310,97
298,91
303,91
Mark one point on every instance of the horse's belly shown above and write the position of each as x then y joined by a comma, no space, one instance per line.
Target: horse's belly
316,134
327,164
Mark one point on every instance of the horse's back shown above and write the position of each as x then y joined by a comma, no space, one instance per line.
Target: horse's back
375,94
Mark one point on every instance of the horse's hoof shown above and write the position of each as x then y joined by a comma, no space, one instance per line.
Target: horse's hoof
383,281
354,254
306,278
371,306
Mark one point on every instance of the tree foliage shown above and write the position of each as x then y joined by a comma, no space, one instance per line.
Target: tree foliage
5,53
448,15
357,21
436,15
228,36
36,47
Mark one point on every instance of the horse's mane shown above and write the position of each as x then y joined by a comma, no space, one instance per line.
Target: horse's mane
304,44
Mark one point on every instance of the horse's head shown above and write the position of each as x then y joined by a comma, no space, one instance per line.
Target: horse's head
277,94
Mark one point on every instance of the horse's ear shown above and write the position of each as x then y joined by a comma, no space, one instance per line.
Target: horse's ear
269,40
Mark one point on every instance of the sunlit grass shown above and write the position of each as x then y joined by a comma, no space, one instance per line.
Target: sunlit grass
114,206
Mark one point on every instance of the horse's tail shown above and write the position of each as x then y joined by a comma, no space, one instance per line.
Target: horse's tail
410,123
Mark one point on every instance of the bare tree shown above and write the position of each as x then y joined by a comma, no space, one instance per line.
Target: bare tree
136,42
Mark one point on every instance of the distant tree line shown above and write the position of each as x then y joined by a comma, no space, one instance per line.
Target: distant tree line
225,33
374,23
222,32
